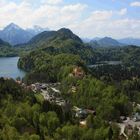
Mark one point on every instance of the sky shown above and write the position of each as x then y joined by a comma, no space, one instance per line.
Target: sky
86,18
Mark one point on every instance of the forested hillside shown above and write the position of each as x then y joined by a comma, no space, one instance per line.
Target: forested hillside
129,55
6,49
26,115
61,41
107,92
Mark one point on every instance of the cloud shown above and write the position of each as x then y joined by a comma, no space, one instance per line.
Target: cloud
49,14
57,14
100,15
116,28
122,12
52,2
135,4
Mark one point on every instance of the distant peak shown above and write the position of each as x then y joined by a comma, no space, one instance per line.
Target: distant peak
66,30
67,33
37,27
12,26
107,37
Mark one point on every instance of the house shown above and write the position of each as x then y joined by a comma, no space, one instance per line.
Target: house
123,118
76,109
36,87
55,90
43,86
19,82
78,72
136,117
81,114
83,123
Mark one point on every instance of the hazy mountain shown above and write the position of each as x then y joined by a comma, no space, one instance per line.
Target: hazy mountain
14,34
130,41
96,39
36,30
94,43
86,40
105,42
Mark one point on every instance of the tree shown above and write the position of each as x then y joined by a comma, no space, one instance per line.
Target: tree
90,121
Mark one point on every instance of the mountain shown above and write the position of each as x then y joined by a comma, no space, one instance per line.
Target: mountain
14,34
105,42
110,42
86,40
130,41
36,30
94,43
96,38
57,39
61,41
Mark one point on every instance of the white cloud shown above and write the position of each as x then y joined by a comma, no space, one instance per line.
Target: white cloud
116,28
122,12
74,16
53,16
52,2
100,15
135,4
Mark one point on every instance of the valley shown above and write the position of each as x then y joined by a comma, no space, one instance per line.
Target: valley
57,94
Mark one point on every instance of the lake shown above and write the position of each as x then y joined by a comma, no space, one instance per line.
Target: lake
105,63
9,68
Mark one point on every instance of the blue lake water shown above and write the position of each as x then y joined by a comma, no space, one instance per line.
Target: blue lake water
8,67
105,63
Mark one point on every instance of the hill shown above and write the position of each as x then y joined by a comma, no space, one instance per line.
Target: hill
6,49
54,38
3,44
105,42
61,41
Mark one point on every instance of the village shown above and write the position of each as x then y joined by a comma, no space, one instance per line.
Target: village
51,93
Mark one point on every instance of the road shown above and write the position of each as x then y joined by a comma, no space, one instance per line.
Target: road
126,123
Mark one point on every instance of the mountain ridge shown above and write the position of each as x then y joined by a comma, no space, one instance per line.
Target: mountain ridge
57,42
105,42
14,34
130,41
122,41
52,38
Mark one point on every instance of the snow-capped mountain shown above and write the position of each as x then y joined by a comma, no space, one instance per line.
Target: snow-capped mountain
14,34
